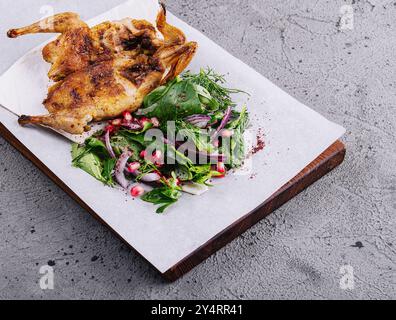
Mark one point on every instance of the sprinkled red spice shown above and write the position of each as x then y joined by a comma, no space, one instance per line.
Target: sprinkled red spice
260,144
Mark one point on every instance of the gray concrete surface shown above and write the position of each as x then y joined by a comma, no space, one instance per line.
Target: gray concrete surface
347,218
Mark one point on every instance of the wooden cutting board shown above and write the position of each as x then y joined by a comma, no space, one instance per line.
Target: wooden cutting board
323,164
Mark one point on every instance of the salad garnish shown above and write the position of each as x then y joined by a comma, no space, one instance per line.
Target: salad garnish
186,133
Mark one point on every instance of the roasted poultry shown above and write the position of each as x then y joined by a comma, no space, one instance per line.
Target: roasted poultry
101,72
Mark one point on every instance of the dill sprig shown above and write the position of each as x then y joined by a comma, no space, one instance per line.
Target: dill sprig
214,83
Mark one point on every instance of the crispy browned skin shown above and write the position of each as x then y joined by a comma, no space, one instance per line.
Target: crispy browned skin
108,69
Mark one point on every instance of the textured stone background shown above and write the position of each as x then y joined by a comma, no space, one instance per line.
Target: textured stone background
346,218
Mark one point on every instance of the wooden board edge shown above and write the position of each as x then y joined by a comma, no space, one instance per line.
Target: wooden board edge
327,161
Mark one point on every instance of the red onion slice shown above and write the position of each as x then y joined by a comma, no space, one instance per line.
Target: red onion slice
120,168
201,124
134,126
149,177
198,120
108,144
223,123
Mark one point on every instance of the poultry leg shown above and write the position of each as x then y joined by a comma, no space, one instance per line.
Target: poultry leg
58,23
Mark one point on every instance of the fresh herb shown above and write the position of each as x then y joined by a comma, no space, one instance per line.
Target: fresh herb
236,148
108,168
214,84
164,196
202,173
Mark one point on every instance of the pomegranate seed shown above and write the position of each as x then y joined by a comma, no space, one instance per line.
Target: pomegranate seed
220,168
157,157
155,122
127,116
116,122
157,154
110,128
143,121
137,191
226,133
143,154
132,167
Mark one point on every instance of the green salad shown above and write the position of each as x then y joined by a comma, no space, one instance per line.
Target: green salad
186,133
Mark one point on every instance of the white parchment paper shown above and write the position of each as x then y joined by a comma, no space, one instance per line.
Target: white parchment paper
295,135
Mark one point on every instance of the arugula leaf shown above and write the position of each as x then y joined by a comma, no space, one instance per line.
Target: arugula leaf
205,97
77,151
177,156
108,168
183,173
120,142
164,196
202,173
235,149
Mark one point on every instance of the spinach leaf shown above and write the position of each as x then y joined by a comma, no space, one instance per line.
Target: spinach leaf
90,163
151,100
97,146
177,100
87,158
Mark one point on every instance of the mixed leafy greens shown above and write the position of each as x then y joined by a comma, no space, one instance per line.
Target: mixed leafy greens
186,133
